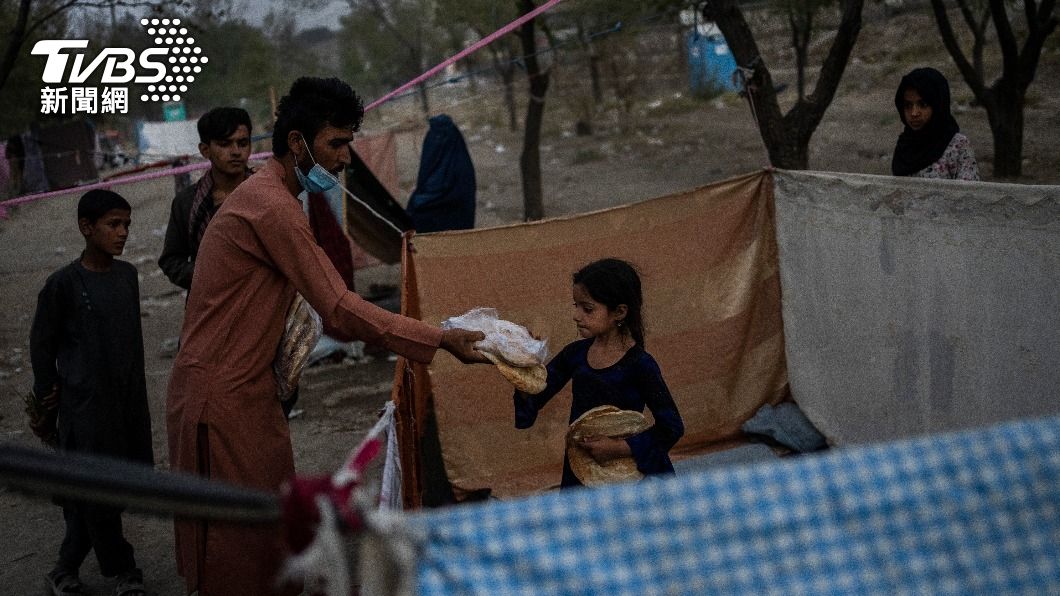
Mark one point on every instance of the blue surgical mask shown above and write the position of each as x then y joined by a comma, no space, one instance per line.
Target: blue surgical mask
318,179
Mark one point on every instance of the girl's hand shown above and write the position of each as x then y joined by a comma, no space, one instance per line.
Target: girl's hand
605,449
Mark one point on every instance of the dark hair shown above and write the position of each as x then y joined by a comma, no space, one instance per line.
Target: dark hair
95,203
932,87
311,104
220,123
612,282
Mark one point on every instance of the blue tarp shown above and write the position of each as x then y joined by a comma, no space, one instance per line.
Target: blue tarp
710,64
975,512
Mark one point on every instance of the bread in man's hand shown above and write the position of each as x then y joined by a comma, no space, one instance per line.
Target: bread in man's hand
530,379
512,343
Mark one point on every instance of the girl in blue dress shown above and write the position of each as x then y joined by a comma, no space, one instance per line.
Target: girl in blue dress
609,366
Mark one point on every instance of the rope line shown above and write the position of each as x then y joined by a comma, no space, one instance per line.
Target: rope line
465,52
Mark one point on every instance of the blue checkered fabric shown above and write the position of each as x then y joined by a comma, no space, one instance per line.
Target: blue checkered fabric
964,513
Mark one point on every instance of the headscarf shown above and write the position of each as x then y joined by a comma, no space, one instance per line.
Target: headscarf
918,149
201,209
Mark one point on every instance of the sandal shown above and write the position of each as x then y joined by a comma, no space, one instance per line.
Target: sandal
63,583
130,583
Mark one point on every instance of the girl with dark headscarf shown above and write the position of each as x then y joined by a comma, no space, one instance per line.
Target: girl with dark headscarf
931,146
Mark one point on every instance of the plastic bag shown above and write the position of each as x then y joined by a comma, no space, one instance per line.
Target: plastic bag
506,340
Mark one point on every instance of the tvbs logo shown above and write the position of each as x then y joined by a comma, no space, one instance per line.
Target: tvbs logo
118,63
166,68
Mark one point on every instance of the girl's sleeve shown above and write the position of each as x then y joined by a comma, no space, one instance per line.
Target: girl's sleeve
651,448
527,405
967,167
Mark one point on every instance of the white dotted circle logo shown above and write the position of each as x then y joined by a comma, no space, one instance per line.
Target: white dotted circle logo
184,57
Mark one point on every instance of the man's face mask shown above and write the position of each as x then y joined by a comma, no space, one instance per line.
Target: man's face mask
318,179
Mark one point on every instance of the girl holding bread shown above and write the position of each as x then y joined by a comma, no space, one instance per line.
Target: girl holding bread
610,367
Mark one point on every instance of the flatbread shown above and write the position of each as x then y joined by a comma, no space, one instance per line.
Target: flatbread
604,421
301,332
512,344
532,379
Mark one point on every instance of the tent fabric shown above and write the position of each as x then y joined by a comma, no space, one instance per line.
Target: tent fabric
379,153
69,152
914,306
373,236
161,140
34,175
5,171
707,258
973,512
444,198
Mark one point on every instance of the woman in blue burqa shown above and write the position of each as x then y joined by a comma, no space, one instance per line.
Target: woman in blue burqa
444,198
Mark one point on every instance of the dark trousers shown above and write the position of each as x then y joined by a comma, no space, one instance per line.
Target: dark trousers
98,528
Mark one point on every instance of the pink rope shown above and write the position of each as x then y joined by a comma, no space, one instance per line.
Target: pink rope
112,182
203,165
468,50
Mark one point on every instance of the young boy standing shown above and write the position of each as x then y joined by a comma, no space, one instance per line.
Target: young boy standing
224,139
86,347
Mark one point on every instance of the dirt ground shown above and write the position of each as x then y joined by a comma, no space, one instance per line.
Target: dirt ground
668,142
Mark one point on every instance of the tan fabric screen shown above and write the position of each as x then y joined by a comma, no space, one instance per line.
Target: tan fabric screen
712,312
379,152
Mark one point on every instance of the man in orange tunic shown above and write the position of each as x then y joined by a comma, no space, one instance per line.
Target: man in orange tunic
223,416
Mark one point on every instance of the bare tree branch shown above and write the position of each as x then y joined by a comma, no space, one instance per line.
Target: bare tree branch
966,12
389,26
831,72
1006,38
1040,29
978,27
1030,9
14,41
741,41
970,74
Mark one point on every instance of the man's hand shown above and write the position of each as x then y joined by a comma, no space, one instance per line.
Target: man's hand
461,344
51,401
43,413
605,449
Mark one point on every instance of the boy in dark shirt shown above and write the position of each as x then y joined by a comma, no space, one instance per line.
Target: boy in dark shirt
86,346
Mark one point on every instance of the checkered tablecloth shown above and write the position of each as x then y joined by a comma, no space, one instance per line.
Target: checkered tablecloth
965,513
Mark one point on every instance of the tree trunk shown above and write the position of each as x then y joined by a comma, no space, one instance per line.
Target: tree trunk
594,75
800,19
1005,114
15,38
472,80
530,160
790,153
800,71
593,57
508,76
786,136
1004,100
425,103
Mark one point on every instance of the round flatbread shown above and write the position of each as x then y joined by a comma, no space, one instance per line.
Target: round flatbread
532,379
513,344
604,421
